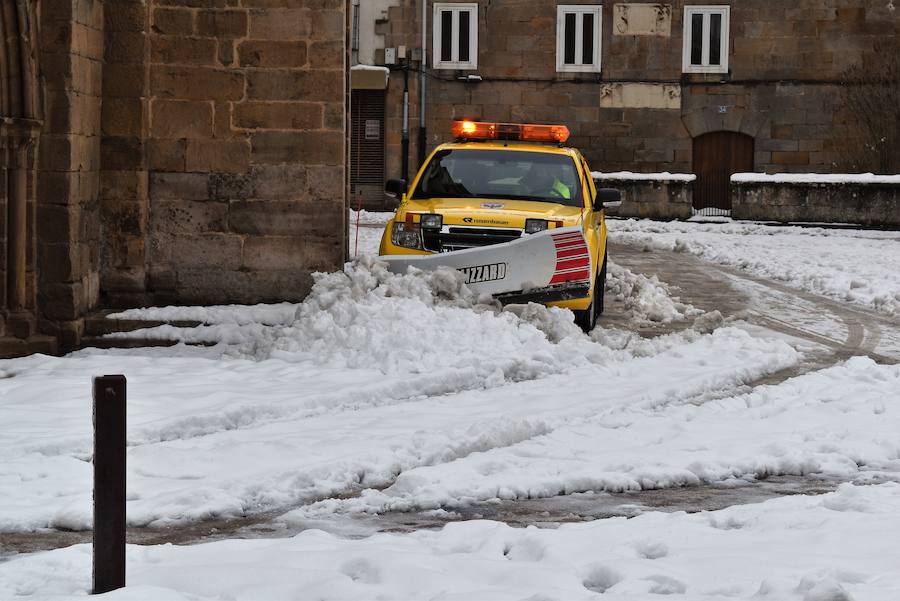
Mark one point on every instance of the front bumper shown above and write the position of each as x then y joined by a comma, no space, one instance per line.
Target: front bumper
575,291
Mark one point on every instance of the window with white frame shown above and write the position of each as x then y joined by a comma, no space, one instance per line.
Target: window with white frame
578,28
706,39
455,35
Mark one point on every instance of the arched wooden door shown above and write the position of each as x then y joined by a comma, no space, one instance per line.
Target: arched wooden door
717,156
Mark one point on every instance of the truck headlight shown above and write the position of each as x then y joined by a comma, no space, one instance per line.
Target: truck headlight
407,235
533,226
432,222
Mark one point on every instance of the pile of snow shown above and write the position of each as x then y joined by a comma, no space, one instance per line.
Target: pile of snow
814,178
834,547
646,299
367,317
857,266
665,176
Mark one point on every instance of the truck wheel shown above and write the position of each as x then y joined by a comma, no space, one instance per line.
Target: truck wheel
587,319
600,287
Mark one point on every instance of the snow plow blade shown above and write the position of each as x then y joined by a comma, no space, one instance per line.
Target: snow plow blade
549,266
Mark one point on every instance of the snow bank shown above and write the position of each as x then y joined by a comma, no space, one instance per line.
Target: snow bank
857,266
644,177
365,316
834,547
814,178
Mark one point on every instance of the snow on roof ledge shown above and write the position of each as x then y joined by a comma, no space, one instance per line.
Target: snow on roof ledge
815,178
645,177
369,68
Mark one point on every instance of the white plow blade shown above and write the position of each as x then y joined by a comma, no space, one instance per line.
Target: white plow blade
555,262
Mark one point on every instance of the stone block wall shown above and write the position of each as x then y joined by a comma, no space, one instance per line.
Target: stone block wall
68,186
651,199
641,112
123,180
873,204
166,151
226,138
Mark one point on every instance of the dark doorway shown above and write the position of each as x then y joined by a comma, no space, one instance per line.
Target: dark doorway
367,149
717,156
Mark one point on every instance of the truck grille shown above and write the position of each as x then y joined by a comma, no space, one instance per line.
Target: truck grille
457,238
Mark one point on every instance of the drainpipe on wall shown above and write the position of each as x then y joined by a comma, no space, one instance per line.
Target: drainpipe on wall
422,133
404,133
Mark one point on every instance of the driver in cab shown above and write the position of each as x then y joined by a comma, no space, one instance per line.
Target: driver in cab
543,180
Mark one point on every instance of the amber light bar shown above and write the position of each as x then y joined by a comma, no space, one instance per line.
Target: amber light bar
480,130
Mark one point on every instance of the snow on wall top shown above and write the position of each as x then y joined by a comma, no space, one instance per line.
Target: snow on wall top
369,68
815,178
648,177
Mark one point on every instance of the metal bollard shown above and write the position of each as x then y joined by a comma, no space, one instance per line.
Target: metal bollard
109,483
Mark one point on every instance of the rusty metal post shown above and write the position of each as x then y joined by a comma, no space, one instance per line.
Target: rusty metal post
109,483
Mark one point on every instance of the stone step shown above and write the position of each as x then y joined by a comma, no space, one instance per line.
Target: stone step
98,324
109,343
18,347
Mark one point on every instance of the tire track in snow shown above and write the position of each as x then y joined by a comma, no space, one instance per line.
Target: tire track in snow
779,307
864,328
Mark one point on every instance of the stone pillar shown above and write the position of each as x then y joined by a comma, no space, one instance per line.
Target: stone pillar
68,190
18,225
17,137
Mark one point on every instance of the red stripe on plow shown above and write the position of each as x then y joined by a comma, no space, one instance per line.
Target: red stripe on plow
573,263
570,252
569,277
571,244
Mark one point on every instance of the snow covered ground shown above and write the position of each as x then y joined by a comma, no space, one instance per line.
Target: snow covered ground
857,266
834,547
404,393
272,415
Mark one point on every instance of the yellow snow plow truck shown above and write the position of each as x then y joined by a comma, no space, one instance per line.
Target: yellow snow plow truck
512,208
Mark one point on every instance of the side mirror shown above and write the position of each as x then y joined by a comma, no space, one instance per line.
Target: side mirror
608,198
395,188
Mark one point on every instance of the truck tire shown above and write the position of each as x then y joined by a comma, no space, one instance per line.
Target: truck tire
587,319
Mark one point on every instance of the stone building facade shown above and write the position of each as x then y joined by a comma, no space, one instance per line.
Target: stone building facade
776,104
166,151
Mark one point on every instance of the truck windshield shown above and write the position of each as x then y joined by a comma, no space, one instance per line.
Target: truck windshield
509,175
